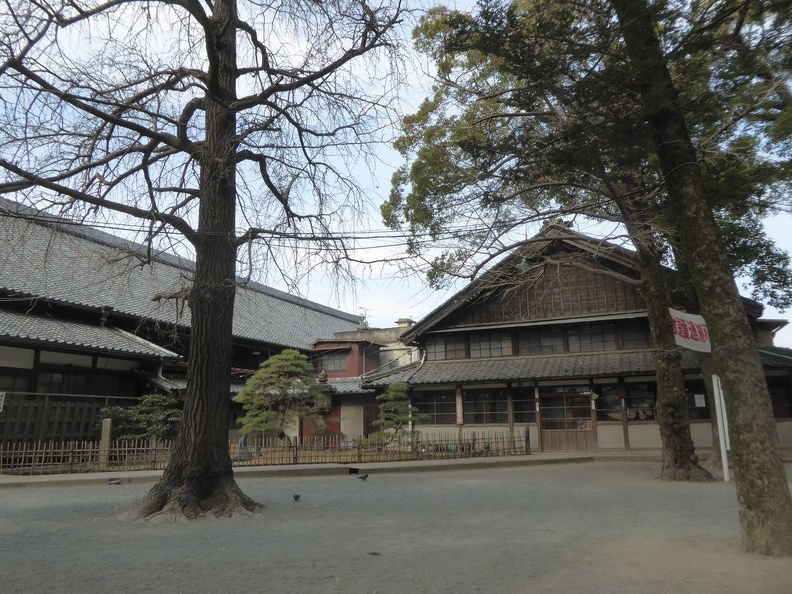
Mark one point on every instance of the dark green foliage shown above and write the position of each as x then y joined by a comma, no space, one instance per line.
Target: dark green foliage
282,391
536,113
155,415
396,413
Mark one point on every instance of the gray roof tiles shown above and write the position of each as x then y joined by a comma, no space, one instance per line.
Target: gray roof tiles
85,267
548,367
28,327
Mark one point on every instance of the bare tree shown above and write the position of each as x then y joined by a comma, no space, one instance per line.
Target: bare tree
222,122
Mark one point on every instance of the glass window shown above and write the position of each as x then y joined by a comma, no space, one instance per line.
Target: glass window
445,347
485,406
635,334
333,361
781,395
439,406
524,405
641,401
456,347
608,402
435,348
697,399
541,340
70,381
490,344
565,407
14,382
595,336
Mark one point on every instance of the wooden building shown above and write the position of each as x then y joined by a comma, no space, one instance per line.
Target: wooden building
89,319
556,339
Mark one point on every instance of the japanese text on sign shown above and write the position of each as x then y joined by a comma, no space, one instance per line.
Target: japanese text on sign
690,331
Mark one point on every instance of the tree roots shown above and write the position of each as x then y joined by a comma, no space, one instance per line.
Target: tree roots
177,501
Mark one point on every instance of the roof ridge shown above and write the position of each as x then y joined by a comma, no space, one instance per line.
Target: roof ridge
60,224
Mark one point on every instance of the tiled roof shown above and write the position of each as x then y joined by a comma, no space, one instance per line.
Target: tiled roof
348,385
21,326
549,367
777,357
179,384
81,266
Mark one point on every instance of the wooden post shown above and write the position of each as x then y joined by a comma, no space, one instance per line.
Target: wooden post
104,444
527,439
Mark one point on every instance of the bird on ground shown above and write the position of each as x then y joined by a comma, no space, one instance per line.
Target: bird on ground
362,477
296,497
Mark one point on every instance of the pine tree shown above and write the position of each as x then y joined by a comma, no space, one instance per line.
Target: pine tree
281,392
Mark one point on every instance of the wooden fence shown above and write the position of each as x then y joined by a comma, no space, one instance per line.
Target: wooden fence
96,456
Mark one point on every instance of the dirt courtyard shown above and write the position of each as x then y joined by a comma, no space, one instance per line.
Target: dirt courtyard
592,527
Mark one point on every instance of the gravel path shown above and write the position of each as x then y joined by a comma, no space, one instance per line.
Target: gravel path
590,527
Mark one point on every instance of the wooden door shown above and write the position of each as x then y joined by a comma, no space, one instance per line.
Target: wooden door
566,420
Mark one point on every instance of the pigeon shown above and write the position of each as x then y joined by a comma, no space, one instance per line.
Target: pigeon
296,497
362,477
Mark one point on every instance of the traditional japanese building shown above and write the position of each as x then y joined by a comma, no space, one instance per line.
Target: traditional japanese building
555,340
89,319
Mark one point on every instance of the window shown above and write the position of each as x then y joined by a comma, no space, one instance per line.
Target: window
697,399
641,401
635,334
600,336
608,402
781,396
456,347
541,340
485,406
445,347
490,344
14,382
524,405
439,406
333,361
435,348
66,381
565,407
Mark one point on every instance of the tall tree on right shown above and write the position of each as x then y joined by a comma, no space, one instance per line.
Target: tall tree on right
557,123
762,488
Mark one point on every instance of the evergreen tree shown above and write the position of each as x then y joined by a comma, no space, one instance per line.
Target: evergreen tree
397,413
281,392
155,415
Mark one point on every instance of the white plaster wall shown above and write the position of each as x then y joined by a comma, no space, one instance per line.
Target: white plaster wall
644,435
481,432
116,364
66,359
785,433
17,358
701,432
610,437
352,421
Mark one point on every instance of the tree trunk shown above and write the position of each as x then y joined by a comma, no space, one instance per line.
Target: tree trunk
199,479
680,462
762,490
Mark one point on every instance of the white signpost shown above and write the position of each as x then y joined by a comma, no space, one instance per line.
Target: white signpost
690,331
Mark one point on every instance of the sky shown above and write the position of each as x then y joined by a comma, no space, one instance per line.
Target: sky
385,297
383,294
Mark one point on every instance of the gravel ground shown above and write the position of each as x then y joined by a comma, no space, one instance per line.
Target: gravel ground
589,527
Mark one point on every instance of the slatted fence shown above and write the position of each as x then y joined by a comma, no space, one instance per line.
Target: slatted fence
31,458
